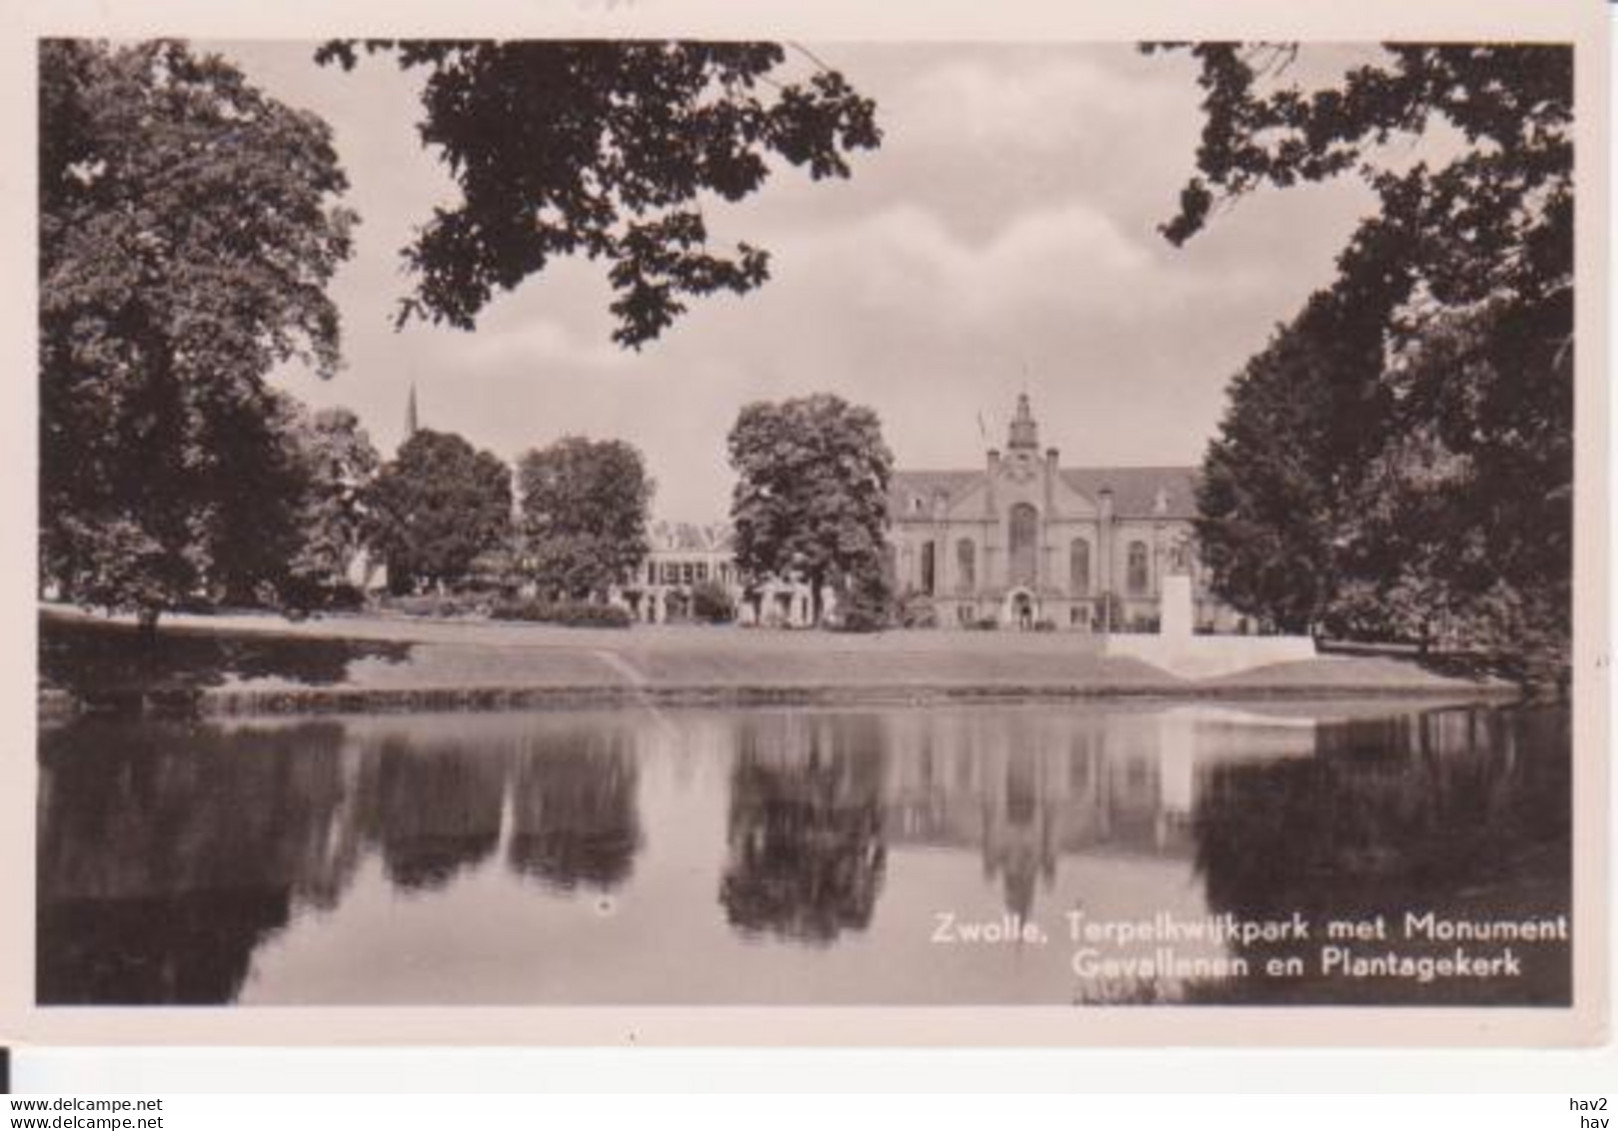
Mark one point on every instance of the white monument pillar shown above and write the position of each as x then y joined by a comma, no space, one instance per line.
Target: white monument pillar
1176,618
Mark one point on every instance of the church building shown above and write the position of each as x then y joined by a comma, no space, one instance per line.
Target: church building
1026,542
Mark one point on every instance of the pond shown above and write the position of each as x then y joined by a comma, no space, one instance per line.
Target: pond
1107,852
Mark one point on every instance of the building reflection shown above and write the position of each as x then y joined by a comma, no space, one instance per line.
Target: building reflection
805,838
1026,788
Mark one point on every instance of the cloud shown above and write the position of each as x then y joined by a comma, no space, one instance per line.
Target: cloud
1031,101
532,344
1074,259
1004,234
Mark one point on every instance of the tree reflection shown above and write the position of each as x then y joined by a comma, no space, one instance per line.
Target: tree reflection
576,818
162,866
109,666
437,810
1464,812
806,852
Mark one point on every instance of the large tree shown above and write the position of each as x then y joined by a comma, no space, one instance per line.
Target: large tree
613,150
1274,507
338,464
188,226
811,493
584,511
1466,273
435,507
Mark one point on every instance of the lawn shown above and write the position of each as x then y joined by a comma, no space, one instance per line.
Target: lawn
240,661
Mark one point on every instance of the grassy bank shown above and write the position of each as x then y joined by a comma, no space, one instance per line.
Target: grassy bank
264,664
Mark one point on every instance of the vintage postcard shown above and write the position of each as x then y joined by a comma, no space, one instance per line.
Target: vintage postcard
601,525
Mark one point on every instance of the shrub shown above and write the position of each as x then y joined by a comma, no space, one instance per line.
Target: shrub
985,624
435,604
861,617
1045,625
571,614
913,609
711,603
299,595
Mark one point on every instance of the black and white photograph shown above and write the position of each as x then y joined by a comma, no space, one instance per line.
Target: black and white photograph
1082,527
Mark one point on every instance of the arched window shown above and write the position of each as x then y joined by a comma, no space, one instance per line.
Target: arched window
1079,568
929,569
1024,544
1140,574
966,565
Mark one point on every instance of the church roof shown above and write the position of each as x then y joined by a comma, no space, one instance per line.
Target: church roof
1134,489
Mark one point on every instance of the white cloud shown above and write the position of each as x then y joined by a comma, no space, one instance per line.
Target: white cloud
906,262
1043,103
533,343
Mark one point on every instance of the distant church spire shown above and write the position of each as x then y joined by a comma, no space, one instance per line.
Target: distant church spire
1024,431
410,413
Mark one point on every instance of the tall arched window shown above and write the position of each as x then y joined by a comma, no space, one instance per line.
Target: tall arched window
1024,544
1079,568
1140,574
966,565
929,569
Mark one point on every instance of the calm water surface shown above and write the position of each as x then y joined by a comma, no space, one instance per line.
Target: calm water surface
755,856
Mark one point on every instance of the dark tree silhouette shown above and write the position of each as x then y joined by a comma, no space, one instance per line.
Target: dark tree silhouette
188,228
1466,273
435,507
610,150
584,506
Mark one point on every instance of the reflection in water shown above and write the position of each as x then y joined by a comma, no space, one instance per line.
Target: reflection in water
1464,813
805,830
215,863
162,865
108,665
1026,788
437,810
576,819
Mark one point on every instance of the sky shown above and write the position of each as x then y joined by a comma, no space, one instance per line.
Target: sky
1003,239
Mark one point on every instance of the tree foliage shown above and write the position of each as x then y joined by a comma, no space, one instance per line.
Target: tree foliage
810,500
338,464
435,507
711,603
188,228
610,150
1425,475
585,507
1271,512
